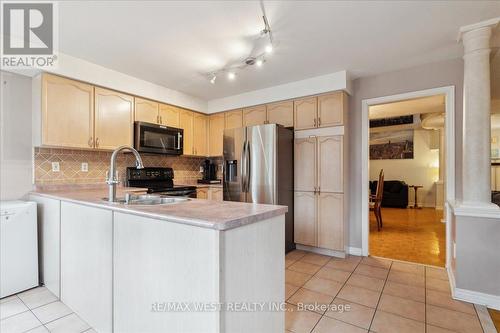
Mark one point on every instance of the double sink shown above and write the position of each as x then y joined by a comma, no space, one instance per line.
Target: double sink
147,199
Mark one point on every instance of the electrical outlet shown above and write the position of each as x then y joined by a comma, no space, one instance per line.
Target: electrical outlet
55,167
201,169
85,167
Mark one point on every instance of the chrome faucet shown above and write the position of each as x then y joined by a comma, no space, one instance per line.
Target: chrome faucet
112,179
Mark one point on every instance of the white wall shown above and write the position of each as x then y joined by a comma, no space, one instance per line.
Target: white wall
421,170
16,153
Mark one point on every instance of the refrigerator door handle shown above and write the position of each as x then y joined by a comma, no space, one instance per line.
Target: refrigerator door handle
248,169
243,167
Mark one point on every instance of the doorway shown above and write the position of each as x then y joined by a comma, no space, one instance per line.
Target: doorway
402,138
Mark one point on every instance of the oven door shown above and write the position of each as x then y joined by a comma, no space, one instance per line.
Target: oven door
158,139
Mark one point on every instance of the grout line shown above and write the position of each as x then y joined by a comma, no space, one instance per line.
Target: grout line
381,292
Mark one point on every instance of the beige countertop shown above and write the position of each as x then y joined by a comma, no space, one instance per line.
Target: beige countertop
197,212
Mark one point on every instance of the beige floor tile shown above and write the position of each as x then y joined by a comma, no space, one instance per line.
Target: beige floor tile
438,284
377,262
333,274
295,255
300,321
311,300
8,299
404,291
436,273
371,271
39,329
289,262
51,311
406,278
11,308
69,324
296,278
19,323
316,259
445,300
356,314
402,307
329,325
452,320
323,286
290,289
367,282
435,329
408,268
304,267
343,265
37,297
385,322
359,295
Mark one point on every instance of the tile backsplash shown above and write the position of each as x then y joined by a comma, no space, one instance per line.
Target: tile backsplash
186,169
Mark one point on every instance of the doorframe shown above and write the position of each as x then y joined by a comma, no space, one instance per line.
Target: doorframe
449,92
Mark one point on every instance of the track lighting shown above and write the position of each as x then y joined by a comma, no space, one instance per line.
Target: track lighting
259,62
269,48
231,75
212,80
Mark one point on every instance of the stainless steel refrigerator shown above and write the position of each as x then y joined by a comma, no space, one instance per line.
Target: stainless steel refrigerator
258,168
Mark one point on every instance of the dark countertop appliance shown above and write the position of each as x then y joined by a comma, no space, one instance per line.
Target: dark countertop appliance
158,139
158,181
209,174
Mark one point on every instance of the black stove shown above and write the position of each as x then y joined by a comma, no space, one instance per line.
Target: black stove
158,181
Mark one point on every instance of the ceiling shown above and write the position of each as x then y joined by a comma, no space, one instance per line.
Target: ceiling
431,104
173,43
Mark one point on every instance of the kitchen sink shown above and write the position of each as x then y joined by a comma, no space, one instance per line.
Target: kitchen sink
147,199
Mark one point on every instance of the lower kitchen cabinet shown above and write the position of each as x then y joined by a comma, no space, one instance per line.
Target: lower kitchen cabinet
209,193
304,208
202,193
87,263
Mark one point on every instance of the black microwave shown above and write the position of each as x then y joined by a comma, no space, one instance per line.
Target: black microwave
158,139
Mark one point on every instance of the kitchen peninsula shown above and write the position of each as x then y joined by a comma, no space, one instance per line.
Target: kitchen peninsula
163,268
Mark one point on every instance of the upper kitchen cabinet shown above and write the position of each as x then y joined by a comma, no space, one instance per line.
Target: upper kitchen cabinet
305,164
254,116
168,115
330,163
200,144
234,119
67,112
331,108
114,118
216,134
305,113
280,113
186,123
146,110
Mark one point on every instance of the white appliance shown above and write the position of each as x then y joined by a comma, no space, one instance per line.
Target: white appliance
18,247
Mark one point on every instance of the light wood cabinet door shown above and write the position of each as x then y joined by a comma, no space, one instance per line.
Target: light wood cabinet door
234,119
216,134
202,193
330,163
114,119
186,123
146,110
215,194
305,218
331,109
305,164
169,115
254,116
200,125
67,113
305,113
331,221
280,113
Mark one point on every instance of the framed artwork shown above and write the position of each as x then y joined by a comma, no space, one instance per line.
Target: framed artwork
391,145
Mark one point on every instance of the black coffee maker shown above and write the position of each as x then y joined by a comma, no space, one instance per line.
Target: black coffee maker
209,173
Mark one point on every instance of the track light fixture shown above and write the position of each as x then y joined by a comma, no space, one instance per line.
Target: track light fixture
251,60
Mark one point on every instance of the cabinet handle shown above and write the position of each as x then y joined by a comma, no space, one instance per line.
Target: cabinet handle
97,142
90,142
161,120
314,190
157,119
319,189
314,122
319,121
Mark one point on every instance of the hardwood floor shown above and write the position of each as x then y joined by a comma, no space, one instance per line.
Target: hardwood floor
495,316
415,235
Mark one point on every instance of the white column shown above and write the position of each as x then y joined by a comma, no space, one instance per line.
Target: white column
477,122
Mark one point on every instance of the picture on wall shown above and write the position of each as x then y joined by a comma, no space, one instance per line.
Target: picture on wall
391,145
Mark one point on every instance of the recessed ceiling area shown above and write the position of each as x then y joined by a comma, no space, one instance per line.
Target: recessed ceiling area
175,43
424,105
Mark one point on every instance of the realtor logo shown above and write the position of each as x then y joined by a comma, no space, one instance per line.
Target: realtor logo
28,31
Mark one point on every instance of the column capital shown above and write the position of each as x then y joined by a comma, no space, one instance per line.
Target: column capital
477,36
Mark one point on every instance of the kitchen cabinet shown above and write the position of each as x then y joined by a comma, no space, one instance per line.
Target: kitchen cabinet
305,164
216,134
186,123
305,218
67,113
330,163
200,144
256,115
305,113
114,118
146,110
168,115
215,193
331,108
202,193
330,221
48,212
87,263
234,119
280,113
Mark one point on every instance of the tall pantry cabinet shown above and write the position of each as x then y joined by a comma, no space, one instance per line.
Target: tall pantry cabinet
320,196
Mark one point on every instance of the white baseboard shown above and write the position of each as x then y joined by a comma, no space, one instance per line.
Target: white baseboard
355,251
318,250
476,297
